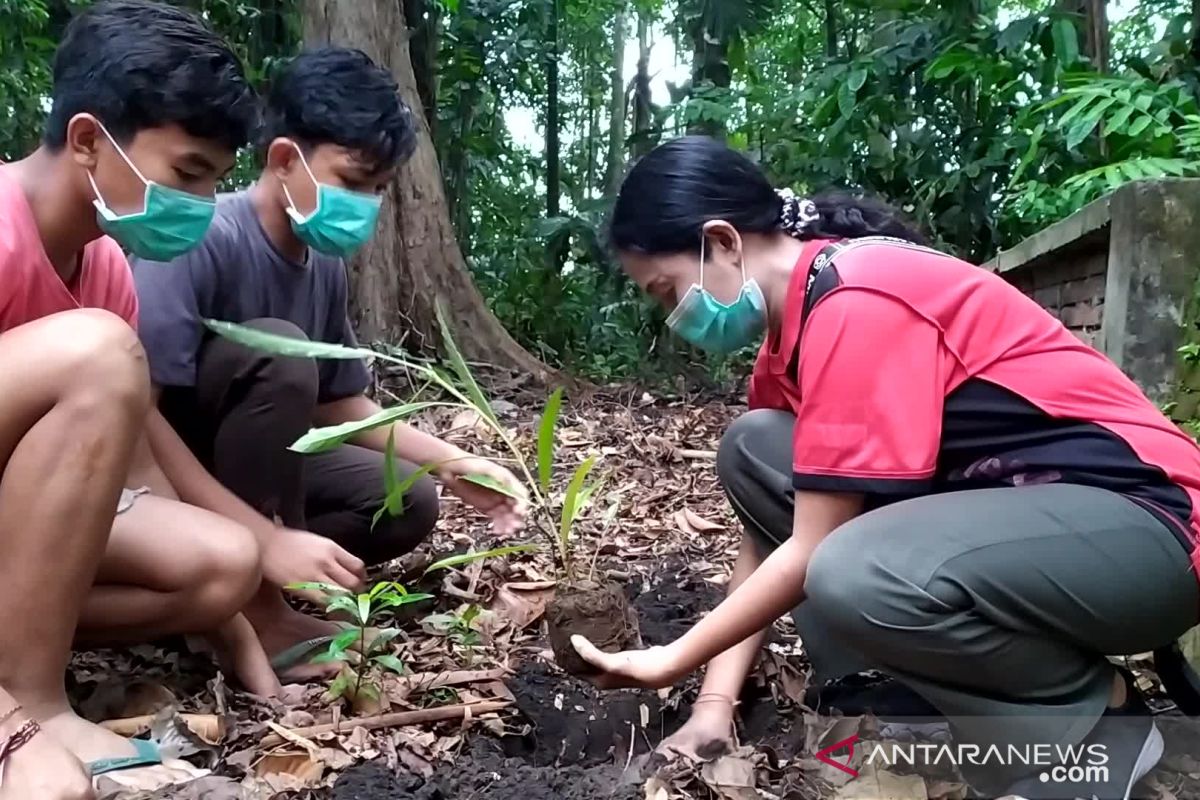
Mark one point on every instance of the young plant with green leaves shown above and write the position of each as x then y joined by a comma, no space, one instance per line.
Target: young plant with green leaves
364,648
552,517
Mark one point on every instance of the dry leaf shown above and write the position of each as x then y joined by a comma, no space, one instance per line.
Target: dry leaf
305,768
730,777
873,783
693,524
521,608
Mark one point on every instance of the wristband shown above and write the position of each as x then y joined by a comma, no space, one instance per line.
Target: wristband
19,739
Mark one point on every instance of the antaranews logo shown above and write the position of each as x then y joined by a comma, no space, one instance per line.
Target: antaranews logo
826,755
1057,764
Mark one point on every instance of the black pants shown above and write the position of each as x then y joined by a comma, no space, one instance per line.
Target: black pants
998,606
248,407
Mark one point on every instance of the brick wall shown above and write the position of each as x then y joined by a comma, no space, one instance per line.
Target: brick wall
1122,274
1071,287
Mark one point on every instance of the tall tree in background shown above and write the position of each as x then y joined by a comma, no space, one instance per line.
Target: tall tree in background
553,152
414,261
643,107
1091,19
616,107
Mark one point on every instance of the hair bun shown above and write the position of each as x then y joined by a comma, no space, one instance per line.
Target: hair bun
798,215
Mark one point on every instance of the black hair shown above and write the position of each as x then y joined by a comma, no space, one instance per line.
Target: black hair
137,65
675,189
338,95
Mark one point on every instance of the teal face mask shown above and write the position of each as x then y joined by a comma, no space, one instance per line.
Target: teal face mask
711,325
170,223
342,222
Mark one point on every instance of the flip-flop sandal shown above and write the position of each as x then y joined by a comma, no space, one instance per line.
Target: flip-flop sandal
148,755
300,653
303,652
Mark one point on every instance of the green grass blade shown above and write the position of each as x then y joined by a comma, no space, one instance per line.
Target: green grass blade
459,365
285,345
467,558
571,504
393,504
313,586
394,501
546,439
488,482
318,440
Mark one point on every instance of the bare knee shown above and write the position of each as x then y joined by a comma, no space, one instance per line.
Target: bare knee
225,573
99,360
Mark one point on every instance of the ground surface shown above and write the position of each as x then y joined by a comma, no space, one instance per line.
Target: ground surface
662,530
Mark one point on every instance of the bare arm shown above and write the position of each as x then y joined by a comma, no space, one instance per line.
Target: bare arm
411,444
195,485
769,592
287,556
773,589
726,673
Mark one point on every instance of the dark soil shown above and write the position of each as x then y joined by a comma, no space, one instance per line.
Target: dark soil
599,612
574,740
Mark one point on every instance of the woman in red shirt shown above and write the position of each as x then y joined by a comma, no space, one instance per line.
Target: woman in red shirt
943,481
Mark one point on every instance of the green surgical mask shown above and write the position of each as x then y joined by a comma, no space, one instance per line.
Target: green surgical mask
711,325
342,222
170,223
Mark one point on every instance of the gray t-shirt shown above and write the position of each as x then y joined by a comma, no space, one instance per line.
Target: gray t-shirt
237,275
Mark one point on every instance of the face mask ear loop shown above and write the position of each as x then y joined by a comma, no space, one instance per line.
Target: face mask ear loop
313,178
129,162
126,158
703,238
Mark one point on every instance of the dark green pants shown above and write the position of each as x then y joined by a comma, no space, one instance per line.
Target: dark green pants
998,606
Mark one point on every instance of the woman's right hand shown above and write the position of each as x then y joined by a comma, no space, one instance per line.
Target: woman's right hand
42,769
707,734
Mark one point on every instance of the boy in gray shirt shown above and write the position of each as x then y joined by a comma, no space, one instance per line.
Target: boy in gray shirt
335,133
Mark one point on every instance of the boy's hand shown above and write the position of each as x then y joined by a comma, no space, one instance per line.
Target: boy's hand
653,668
292,556
508,515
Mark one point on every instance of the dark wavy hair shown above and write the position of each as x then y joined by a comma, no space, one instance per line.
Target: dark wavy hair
679,186
138,65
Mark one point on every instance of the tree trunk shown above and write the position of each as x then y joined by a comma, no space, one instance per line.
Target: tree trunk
414,262
1195,31
1091,18
616,109
643,107
423,19
831,29
710,67
553,166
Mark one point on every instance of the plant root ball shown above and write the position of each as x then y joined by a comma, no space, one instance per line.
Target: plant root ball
601,613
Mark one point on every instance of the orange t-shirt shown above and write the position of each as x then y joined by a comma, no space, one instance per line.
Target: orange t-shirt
30,288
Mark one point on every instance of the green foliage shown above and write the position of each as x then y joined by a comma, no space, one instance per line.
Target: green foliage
554,522
986,122
459,628
366,653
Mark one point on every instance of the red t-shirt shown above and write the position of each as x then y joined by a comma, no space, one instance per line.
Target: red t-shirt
29,286
919,373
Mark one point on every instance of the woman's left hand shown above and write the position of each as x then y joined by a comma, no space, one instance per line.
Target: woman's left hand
653,668
507,513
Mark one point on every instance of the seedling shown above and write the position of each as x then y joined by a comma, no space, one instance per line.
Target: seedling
459,629
602,613
365,650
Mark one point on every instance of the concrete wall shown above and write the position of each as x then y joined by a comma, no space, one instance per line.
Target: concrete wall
1121,274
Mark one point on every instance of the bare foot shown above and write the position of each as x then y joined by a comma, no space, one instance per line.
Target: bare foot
706,735
42,768
89,743
283,627
241,654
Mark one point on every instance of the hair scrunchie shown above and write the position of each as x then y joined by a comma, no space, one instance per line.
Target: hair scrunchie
798,214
